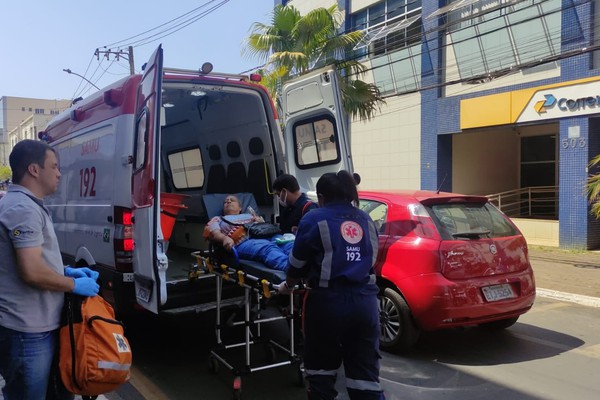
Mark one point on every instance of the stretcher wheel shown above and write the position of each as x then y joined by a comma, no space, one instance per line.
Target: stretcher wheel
270,353
300,374
237,388
213,364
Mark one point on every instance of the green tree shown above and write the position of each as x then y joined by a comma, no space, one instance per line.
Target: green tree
5,172
593,188
295,44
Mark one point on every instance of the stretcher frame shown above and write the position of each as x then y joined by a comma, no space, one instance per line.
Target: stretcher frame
262,289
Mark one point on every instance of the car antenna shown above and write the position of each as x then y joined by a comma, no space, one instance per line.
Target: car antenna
441,184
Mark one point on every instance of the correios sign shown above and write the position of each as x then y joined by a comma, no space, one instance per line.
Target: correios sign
562,102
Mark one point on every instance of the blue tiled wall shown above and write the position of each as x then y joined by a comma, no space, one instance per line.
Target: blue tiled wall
573,205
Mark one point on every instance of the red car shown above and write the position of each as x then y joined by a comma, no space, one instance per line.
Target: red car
446,260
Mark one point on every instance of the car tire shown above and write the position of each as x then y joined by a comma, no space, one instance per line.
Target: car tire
397,330
499,324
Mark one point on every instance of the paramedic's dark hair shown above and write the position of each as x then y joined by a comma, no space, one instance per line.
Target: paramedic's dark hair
25,153
338,187
287,182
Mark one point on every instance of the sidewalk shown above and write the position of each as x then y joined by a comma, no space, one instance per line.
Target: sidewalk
567,274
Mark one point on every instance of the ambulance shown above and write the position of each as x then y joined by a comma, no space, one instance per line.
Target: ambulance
140,157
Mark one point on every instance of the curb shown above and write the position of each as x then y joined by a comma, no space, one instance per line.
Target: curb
570,297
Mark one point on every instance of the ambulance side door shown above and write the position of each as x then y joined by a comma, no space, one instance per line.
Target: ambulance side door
315,132
149,262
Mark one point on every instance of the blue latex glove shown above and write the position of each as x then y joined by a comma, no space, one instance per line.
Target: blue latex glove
84,272
86,287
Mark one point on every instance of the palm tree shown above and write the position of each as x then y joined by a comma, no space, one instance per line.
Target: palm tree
294,45
593,188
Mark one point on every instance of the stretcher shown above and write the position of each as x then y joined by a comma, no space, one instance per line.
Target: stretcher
259,284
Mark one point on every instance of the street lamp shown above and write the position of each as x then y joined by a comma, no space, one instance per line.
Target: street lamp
68,71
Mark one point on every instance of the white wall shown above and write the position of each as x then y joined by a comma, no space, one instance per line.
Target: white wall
357,5
485,162
387,149
305,6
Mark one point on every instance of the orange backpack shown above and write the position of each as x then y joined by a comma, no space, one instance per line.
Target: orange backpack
95,357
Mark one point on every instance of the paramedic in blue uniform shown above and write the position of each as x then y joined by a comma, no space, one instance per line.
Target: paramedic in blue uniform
294,203
334,252
32,276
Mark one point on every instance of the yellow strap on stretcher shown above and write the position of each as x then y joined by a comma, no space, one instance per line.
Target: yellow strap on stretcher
224,271
241,277
266,287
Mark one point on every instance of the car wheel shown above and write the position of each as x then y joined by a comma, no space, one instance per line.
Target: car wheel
499,324
397,329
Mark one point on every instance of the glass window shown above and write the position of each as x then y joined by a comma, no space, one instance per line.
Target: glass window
140,143
382,74
316,142
377,14
497,49
467,52
377,211
470,221
403,70
395,8
187,169
509,34
530,37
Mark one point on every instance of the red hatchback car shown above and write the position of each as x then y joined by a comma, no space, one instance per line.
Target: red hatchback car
446,260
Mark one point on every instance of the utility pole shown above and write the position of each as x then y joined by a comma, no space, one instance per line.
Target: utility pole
118,54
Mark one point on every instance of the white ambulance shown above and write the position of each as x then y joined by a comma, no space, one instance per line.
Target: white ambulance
138,156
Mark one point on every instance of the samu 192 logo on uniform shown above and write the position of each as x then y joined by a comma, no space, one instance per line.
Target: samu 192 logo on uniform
351,232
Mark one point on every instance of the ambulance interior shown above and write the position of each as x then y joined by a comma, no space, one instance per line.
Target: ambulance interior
215,140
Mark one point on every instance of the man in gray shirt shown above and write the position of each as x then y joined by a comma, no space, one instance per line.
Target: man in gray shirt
32,276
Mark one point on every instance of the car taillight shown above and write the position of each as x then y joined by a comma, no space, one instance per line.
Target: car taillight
424,225
123,239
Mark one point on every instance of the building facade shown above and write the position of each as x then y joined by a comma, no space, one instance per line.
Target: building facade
14,111
491,97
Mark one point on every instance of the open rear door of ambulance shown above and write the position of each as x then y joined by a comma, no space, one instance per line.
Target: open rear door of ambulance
316,138
149,260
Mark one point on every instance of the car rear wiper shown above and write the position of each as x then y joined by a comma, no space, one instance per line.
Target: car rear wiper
472,234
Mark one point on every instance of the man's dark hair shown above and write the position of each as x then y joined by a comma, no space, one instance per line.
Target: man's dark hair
287,182
25,153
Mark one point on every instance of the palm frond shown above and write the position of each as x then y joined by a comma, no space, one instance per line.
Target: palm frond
593,187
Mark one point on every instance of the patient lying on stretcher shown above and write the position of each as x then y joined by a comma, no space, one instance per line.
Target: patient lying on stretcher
229,234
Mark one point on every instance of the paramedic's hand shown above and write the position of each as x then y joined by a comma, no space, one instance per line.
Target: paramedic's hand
80,273
228,243
284,288
85,287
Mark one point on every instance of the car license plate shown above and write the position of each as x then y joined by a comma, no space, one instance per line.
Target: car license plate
498,292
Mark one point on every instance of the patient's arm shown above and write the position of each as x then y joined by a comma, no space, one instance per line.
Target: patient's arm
217,236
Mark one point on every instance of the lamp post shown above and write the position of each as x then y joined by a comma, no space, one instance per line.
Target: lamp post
68,71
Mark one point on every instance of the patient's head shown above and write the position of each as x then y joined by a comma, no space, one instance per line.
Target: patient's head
231,205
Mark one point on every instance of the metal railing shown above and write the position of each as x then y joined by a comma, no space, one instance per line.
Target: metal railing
530,202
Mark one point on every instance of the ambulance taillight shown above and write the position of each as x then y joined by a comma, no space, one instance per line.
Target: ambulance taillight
123,239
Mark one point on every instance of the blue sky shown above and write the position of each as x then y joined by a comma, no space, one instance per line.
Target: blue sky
39,38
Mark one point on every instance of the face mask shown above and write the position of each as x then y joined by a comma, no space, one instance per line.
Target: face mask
283,202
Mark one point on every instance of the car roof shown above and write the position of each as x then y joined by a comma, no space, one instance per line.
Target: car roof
422,196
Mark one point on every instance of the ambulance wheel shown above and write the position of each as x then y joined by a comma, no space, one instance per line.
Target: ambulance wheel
397,330
237,388
213,364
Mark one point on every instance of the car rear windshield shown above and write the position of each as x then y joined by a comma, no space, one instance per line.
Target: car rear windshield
458,221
